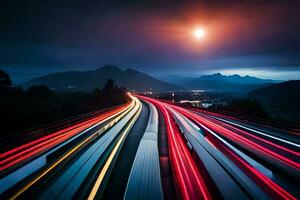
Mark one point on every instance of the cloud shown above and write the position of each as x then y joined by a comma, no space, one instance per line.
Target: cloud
150,35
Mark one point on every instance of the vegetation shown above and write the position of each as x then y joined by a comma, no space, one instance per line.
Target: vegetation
243,107
24,109
280,100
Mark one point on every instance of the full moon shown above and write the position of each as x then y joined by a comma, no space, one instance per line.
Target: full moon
199,33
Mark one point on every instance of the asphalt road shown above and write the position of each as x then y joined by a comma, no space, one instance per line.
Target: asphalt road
192,154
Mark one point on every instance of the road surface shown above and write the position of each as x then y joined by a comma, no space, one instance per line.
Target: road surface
150,149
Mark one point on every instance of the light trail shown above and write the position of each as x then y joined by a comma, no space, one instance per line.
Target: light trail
30,149
284,151
205,152
257,124
242,140
278,148
261,133
107,164
31,143
234,183
81,171
70,152
190,182
267,184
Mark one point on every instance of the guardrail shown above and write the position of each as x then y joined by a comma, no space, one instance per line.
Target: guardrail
12,140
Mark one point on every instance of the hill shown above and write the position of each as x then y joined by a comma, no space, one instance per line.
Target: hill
89,80
221,83
281,100
235,78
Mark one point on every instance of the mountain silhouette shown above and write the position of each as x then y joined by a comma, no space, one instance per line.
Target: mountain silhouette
89,80
221,83
280,99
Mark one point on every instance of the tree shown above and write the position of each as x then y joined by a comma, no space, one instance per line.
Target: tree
109,85
39,92
5,81
40,105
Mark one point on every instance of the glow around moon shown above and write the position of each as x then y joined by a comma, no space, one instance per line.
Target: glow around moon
199,33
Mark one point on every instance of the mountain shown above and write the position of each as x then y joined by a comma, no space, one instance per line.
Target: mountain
285,95
222,83
281,100
88,80
235,78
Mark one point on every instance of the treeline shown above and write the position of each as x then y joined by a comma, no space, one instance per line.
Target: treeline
24,109
242,107
252,109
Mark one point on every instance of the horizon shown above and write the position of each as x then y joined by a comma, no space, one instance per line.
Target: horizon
19,77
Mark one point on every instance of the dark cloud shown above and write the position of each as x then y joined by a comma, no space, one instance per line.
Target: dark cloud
149,33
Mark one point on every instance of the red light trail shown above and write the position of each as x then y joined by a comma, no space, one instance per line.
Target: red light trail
28,150
233,136
190,182
267,184
245,157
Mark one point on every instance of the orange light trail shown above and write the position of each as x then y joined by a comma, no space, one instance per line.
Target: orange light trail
35,147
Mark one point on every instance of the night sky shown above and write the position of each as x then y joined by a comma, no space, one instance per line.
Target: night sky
259,38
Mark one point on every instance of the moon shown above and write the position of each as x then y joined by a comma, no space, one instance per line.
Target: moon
199,33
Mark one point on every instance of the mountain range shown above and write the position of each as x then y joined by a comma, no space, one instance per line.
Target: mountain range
89,80
221,83
140,82
280,99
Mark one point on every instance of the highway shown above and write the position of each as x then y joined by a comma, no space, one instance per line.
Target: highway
152,149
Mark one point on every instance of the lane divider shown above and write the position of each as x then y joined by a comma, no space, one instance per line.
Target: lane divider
112,156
